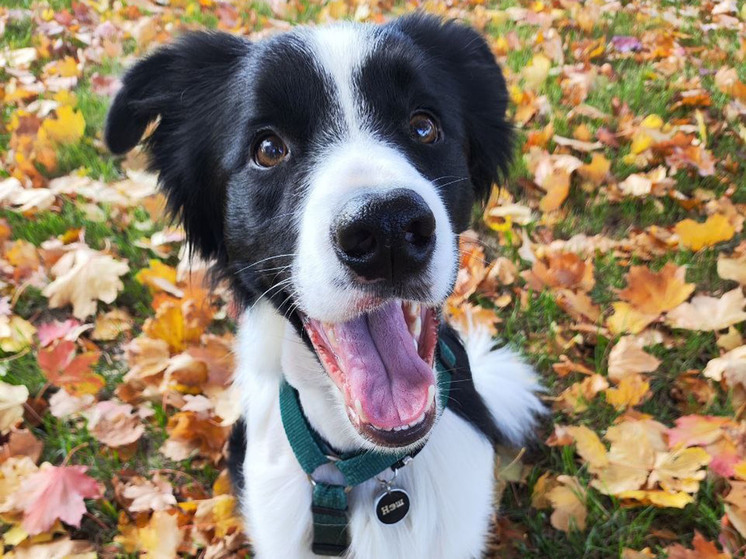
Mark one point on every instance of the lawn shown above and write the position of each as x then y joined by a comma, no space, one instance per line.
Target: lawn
613,258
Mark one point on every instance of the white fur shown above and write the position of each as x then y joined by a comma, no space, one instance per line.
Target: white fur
345,167
450,482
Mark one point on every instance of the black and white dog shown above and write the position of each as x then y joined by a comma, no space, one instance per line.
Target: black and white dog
328,171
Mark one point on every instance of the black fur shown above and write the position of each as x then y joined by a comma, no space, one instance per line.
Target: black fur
464,400
237,455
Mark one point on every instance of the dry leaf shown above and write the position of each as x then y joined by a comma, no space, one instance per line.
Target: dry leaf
12,399
732,269
709,313
631,390
697,236
627,357
656,292
568,501
84,276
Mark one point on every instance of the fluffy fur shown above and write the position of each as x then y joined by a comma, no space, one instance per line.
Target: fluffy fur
341,99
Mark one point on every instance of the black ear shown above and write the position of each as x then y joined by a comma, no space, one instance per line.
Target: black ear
464,54
187,86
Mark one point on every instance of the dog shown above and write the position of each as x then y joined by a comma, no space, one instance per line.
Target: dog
328,172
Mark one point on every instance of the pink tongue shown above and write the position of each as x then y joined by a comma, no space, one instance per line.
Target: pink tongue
382,367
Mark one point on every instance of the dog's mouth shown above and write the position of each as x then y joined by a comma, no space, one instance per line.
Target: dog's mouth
382,363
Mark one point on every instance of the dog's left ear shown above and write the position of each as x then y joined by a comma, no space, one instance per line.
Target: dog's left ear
464,54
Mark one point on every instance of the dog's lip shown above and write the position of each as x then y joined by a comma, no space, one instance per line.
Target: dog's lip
387,404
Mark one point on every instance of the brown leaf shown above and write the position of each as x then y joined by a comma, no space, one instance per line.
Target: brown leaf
656,292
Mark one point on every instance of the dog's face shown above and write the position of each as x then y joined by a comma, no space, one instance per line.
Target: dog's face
330,171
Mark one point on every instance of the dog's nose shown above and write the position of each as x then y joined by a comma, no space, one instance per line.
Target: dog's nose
387,236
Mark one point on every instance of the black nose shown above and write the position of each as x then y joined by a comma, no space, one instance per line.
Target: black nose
387,236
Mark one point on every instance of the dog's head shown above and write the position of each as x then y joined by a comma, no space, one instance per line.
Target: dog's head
330,171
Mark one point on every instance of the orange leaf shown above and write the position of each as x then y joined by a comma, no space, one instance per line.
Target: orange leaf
656,292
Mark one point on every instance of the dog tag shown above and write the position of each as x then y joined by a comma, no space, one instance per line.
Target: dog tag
392,506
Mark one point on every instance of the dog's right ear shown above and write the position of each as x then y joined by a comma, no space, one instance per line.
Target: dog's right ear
190,86
157,84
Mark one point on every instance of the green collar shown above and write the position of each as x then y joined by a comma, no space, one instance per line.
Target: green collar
329,506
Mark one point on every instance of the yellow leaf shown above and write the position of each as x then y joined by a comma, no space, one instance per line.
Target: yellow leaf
21,335
596,171
558,188
589,447
12,399
627,319
536,72
680,470
67,128
630,392
696,236
662,499
568,501
654,122
159,277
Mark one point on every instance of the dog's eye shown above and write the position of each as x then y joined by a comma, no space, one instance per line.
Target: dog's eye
424,128
269,151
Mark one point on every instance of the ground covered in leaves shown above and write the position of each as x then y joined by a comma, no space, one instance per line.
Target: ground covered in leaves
614,258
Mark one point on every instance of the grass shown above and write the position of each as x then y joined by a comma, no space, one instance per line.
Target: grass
534,323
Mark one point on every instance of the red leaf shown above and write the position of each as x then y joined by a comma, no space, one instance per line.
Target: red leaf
64,369
56,493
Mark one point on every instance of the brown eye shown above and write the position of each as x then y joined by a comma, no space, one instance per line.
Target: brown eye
424,129
269,151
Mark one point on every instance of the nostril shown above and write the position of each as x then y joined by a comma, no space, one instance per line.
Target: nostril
356,241
420,231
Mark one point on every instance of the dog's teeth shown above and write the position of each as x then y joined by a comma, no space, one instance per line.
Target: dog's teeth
430,396
359,410
329,329
416,345
403,427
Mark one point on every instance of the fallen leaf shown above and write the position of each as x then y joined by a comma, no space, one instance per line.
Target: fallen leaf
631,390
702,550
696,430
568,501
709,313
74,373
656,292
12,399
627,357
110,325
67,128
628,320
56,492
697,236
114,424
161,537
146,495
84,276
732,269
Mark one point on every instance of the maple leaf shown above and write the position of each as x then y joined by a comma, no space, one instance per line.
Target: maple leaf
161,537
176,324
69,371
627,357
702,550
63,404
159,277
67,128
732,269
114,424
656,292
562,270
535,73
56,330
568,501
576,398
732,365
56,492
680,470
84,276
696,430
146,495
64,548
20,335
709,313
589,447
110,325
12,399
631,390
597,170
627,319
697,236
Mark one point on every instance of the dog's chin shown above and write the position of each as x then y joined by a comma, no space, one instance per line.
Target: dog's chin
382,363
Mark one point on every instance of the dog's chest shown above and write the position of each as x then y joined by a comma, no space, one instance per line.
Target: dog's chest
450,484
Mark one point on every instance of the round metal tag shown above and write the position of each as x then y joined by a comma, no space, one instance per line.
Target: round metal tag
392,506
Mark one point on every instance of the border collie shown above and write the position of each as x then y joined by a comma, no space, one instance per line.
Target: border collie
328,172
